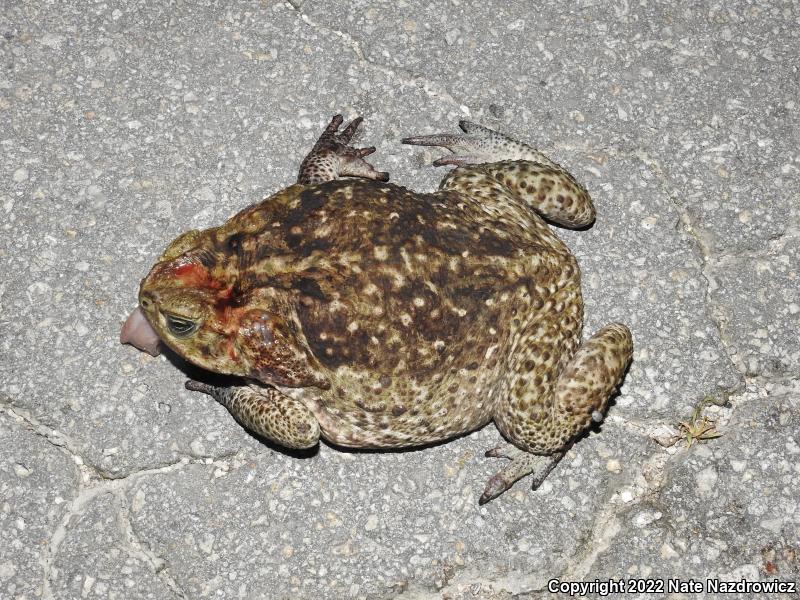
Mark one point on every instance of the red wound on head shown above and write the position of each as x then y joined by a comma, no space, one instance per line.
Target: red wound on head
192,274
222,305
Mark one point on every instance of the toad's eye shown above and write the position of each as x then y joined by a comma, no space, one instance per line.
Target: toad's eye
180,327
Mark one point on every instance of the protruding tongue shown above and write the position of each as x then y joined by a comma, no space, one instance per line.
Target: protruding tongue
139,333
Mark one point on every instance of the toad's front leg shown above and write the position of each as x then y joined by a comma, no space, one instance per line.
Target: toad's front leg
266,412
332,156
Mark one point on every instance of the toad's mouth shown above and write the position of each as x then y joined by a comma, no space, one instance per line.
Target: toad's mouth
138,332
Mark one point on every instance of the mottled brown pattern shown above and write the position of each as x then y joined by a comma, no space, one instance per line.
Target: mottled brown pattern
391,318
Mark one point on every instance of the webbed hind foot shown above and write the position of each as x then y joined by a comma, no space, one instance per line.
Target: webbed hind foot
477,145
522,464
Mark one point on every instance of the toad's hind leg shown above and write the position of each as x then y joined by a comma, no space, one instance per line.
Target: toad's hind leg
528,174
266,412
544,415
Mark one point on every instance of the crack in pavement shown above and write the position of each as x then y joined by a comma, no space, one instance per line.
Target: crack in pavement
92,489
62,441
607,524
709,260
92,483
51,436
139,549
405,76
695,233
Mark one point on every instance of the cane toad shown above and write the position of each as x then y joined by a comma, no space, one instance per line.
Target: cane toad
376,317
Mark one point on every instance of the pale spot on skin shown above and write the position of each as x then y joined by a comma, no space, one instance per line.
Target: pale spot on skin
352,327
419,302
336,305
489,351
406,319
371,289
381,252
406,260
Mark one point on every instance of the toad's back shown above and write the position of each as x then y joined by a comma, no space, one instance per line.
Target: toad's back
408,301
